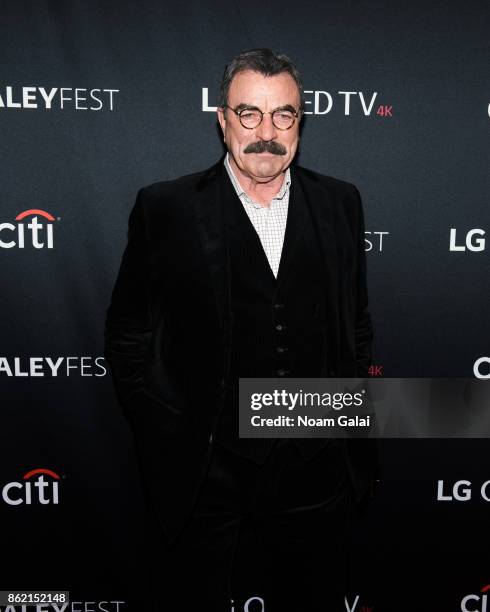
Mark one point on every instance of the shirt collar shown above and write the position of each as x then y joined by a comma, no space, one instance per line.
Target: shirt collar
241,192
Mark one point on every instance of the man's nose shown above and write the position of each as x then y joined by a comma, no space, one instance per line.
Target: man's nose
266,130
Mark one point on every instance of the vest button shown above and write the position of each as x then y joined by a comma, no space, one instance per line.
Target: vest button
278,306
281,350
280,327
282,372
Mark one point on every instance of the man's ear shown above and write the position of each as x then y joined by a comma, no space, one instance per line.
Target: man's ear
222,119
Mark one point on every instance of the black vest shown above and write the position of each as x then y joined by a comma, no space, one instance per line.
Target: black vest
279,326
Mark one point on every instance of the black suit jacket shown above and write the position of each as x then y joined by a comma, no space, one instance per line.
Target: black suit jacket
168,326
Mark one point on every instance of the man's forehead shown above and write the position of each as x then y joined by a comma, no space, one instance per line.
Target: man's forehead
249,87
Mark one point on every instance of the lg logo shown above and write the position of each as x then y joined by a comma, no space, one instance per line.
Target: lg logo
473,241
250,602
249,605
39,235
461,491
323,102
318,102
33,488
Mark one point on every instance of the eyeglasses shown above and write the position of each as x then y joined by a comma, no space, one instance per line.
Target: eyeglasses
251,118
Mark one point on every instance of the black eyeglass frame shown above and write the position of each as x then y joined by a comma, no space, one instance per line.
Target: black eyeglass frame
271,113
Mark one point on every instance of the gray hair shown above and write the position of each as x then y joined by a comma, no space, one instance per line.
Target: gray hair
264,61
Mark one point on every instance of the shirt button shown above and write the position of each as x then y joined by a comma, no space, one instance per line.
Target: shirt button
211,439
280,327
282,372
278,306
281,350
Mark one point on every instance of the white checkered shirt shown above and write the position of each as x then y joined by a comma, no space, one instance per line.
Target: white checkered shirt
269,221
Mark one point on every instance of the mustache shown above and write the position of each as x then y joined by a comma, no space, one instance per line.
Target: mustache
262,146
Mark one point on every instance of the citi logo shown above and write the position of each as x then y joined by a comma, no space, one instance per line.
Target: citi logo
34,488
481,368
28,230
473,241
476,602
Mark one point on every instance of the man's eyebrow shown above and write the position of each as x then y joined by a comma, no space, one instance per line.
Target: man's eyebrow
242,106
287,107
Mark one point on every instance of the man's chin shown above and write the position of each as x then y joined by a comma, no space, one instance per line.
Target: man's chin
267,167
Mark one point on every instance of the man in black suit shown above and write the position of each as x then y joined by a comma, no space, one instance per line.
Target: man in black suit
252,268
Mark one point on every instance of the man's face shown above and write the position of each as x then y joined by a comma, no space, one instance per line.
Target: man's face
268,93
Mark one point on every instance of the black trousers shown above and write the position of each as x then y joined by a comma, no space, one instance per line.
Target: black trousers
262,538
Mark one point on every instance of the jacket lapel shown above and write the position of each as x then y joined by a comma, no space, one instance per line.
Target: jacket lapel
295,225
320,204
209,215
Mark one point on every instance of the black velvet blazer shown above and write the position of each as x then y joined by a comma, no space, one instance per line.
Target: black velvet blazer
168,325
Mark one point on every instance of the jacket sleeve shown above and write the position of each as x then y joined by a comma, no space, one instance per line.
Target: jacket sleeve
128,326
363,325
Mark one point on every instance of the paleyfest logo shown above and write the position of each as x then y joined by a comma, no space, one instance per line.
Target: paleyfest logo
73,606
374,241
477,602
52,366
49,98
38,486
34,228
